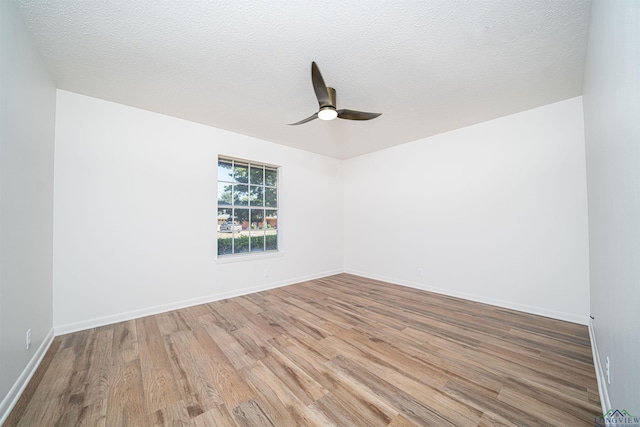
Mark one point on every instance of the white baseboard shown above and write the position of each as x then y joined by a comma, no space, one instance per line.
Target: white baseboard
148,311
15,392
602,381
540,311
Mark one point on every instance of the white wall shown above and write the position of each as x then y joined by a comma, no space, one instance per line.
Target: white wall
27,114
135,213
495,212
612,131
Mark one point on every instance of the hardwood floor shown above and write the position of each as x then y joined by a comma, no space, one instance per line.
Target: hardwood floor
341,350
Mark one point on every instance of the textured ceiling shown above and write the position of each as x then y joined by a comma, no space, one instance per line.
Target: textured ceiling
428,66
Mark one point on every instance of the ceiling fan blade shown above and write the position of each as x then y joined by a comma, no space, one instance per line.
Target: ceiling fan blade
320,88
308,119
356,115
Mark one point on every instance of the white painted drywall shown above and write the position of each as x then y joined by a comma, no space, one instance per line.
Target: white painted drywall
27,114
612,133
135,213
495,212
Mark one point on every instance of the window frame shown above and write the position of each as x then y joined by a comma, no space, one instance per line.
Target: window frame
246,206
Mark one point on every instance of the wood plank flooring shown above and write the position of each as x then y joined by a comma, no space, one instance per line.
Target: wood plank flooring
337,351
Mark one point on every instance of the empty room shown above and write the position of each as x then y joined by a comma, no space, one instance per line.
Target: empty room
294,213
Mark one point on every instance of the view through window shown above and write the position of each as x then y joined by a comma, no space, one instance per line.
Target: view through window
247,207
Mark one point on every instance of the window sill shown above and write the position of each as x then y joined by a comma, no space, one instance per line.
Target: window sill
248,257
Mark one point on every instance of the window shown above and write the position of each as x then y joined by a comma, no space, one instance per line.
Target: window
247,207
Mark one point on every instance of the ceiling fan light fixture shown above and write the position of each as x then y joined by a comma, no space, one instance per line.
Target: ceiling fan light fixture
327,113
327,102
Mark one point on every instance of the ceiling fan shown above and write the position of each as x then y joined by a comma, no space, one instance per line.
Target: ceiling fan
327,102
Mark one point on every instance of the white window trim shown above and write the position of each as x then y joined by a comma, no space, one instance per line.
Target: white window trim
253,256
244,257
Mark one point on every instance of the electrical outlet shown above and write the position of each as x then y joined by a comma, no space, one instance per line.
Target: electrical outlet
267,272
28,343
420,272
608,370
